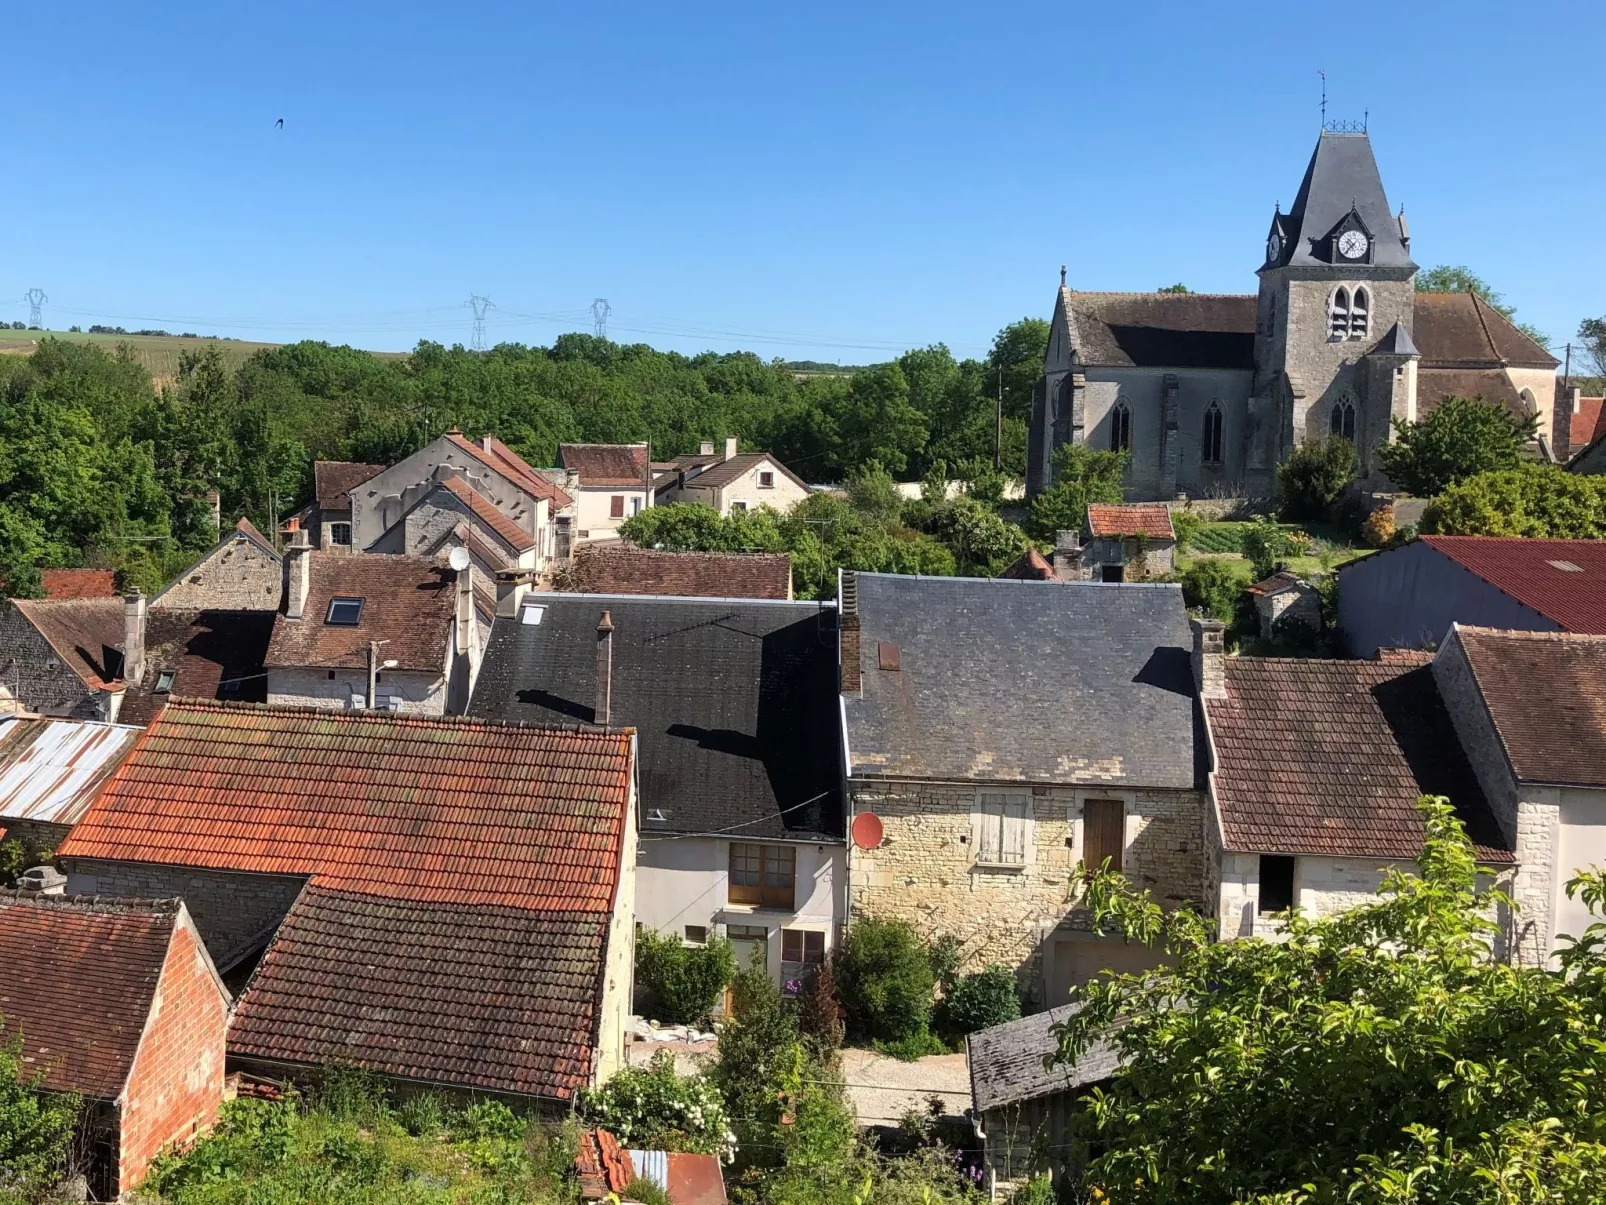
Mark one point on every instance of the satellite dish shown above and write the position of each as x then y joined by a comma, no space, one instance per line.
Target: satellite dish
459,559
867,830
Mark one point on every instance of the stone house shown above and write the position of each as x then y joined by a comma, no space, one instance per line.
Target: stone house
62,657
734,481
1284,600
49,771
609,484
622,568
999,735
117,1001
1410,595
385,901
327,518
242,572
735,708
396,633
1128,543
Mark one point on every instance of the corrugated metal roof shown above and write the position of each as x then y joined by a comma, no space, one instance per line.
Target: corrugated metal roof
652,1166
51,769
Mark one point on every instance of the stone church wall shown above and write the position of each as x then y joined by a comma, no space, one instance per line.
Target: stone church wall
1144,392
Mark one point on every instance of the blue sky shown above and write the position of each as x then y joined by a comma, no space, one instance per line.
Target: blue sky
828,181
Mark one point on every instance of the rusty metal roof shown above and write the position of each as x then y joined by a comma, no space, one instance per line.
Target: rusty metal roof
50,769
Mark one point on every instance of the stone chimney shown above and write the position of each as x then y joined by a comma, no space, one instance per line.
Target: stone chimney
297,570
706,448
604,708
849,634
1209,658
1067,560
730,446
465,608
133,637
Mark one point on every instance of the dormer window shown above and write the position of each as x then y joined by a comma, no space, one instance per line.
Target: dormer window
346,612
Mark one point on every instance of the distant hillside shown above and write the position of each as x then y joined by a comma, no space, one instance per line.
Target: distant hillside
818,368
158,353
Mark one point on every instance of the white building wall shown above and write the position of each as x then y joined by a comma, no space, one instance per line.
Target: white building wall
421,693
782,496
593,510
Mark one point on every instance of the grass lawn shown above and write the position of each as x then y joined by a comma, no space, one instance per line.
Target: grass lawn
1224,541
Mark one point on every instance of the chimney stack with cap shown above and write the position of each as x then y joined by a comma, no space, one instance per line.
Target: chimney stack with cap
849,633
706,448
297,571
730,447
133,637
465,607
604,708
1209,658
1067,560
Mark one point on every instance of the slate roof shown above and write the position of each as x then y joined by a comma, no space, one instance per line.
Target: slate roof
511,465
333,481
509,532
1006,1061
1397,342
621,465
626,569
79,583
1179,330
1329,757
50,769
80,975
501,999
86,633
213,655
407,602
1151,520
1342,173
734,703
1533,572
1546,693
1464,329
1065,682
1029,566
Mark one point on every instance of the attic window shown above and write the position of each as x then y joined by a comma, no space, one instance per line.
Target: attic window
1565,566
345,611
889,655
531,615
766,481
164,681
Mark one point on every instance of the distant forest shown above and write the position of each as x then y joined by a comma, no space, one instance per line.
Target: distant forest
100,466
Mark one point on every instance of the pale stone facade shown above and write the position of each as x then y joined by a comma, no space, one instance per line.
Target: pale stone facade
405,691
242,573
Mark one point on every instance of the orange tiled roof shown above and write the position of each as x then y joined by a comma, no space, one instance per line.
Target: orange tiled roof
511,465
1586,425
514,536
1148,519
79,583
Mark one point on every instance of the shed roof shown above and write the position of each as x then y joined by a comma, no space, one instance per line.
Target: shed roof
50,769
1006,1061
1563,580
1151,520
1029,566
1588,423
626,569
408,602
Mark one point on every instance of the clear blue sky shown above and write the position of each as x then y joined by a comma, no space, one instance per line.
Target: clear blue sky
843,180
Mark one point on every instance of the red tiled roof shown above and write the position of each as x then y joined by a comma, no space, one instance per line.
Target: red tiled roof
1534,573
625,569
249,528
1329,757
333,481
1587,424
79,583
602,1165
79,979
407,602
212,655
617,465
434,809
1029,566
508,462
1275,584
1546,693
514,536
1148,519
87,634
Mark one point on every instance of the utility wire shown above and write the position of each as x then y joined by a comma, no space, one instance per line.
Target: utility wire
732,828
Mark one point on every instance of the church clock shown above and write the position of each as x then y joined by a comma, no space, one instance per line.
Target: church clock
1274,247
1352,244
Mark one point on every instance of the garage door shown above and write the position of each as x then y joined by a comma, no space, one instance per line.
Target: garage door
1581,843
1075,961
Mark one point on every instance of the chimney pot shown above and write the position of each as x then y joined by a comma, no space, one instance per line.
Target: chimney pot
730,446
133,637
1209,658
1067,557
706,448
604,708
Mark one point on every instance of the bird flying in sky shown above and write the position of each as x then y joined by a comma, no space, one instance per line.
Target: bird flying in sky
279,125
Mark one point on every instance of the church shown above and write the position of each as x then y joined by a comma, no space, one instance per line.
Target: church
1211,392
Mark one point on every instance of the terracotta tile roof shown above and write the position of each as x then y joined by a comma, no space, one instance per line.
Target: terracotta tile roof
625,569
602,1165
434,809
504,460
212,655
1329,757
407,602
1275,584
502,999
1029,566
1546,693
1587,424
1563,580
87,635
1148,519
514,536
79,583
333,481
249,528
622,465
80,976
1452,329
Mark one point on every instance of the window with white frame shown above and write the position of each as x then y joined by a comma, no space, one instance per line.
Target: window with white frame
1003,828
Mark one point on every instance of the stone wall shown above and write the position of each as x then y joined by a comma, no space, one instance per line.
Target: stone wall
925,870
238,575
421,693
33,673
1462,699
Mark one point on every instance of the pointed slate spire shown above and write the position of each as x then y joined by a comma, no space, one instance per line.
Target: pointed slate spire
1396,343
1342,177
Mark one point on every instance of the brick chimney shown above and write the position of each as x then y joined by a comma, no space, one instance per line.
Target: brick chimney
1067,559
133,637
604,708
848,632
297,569
730,446
1209,658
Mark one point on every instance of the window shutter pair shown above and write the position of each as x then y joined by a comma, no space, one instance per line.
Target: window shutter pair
1004,828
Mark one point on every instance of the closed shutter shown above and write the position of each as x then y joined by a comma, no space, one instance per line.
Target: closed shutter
990,835
1017,821
1103,822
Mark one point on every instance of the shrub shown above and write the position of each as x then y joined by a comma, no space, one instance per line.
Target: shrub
760,1056
979,1001
914,1046
819,1016
1461,438
1265,544
654,1108
645,1192
1313,476
1186,524
884,976
35,1129
1213,587
1378,530
685,981
1039,1190
1536,501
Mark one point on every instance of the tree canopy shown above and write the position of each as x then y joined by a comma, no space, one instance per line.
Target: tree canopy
1461,438
1536,500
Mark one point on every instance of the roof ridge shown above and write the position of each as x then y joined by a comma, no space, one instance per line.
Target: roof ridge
109,905
401,719
1477,308
1144,293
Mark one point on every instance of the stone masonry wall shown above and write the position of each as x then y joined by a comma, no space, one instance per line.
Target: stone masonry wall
421,693
33,672
1453,677
925,872
237,575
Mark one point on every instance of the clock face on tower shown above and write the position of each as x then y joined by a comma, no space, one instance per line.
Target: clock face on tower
1274,248
1352,244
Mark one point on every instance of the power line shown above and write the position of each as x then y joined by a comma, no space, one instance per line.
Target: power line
479,305
36,299
600,309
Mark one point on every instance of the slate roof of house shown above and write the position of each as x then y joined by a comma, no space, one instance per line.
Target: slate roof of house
50,768
503,999
1589,422
212,654
79,583
1006,1061
511,465
1546,693
1029,566
734,703
617,465
1189,330
626,569
728,470
509,532
79,980
407,602
1067,682
87,634
1535,573
1464,329
333,481
1329,757
1151,520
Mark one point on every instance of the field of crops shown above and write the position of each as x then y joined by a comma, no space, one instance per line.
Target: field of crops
158,353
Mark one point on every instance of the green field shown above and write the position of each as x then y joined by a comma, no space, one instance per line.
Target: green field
158,353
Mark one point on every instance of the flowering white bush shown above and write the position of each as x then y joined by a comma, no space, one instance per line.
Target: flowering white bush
652,1108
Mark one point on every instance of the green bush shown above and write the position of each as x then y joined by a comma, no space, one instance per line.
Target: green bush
1534,501
911,1048
645,1192
1313,477
1214,588
884,976
685,981
1081,475
1461,438
979,1001
1266,545
35,1129
1187,526
653,1108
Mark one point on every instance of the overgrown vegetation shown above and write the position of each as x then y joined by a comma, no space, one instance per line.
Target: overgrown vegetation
1310,481
886,984
1538,500
36,1130
977,1001
685,982
1081,476
653,1108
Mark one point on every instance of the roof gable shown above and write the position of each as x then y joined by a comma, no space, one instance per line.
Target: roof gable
1458,330
732,468
497,455
1563,580
626,569
86,633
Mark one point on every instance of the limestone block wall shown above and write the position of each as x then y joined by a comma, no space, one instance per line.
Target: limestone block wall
1453,677
421,693
238,575
32,673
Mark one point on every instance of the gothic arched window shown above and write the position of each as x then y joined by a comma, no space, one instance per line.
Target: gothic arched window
1338,314
1120,427
1210,444
1359,318
1344,419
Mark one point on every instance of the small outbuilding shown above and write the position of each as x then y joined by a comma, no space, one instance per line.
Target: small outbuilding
1283,601
1128,542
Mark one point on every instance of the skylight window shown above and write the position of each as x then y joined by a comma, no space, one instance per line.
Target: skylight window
1565,566
345,611
531,615
164,681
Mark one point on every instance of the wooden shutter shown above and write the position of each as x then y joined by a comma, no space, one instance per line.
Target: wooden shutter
989,833
1103,825
616,507
1016,826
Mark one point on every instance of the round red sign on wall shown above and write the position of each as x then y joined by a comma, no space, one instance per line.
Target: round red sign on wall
867,830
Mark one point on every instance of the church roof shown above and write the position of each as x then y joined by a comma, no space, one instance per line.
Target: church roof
1342,175
1162,330
1396,343
1463,329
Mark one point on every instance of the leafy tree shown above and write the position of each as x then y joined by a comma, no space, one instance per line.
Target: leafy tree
1592,333
1214,587
978,1001
877,422
1462,437
884,978
1378,1056
686,981
1176,288
1534,500
1458,278
874,493
1081,475
1265,544
1313,477
982,542
35,1129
